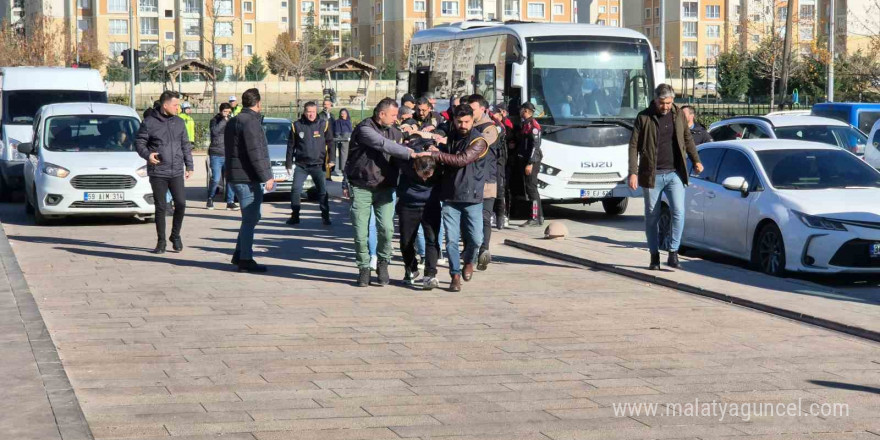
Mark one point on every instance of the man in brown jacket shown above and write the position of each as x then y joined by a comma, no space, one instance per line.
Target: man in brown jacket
657,149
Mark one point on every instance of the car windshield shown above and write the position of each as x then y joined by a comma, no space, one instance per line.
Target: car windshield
845,137
20,106
817,169
277,132
91,133
572,82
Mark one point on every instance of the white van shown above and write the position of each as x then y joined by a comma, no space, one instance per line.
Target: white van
23,90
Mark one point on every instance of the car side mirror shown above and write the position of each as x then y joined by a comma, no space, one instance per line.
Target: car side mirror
736,184
26,148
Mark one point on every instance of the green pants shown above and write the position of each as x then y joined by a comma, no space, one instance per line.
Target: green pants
362,199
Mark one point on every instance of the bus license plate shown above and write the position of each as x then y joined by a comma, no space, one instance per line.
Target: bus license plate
104,197
875,250
595,193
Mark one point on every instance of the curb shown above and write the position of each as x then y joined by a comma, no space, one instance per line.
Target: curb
699,291
71,421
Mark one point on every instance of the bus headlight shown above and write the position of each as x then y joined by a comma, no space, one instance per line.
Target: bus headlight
547,169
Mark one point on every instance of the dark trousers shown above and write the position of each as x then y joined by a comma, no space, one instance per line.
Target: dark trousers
532,191
300,173
488,209
429,218
161,186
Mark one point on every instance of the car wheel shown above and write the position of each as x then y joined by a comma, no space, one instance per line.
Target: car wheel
39,218
664,236
28,208
615,206
5,191
768,254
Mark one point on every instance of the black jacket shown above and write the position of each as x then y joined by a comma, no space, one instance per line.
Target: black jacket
327,116
167,136
309,142
464,176
434,119
700,134
247,151
412,191
218,127
369,155
529,144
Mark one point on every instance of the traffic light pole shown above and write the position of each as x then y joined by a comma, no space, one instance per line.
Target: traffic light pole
134,64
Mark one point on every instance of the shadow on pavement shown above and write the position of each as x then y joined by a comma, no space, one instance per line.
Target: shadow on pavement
846,386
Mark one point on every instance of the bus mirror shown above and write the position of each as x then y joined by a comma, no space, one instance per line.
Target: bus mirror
659,73
517,75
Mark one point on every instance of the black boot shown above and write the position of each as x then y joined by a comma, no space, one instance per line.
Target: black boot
160,247
235,259
382,273
325,218
294,217
176,244
655,261
673,260
501,220
364,277
251,266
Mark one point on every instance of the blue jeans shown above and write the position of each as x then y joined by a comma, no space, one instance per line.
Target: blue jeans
300,174
673,187
250,195
217,168
420,242
470,215
372,241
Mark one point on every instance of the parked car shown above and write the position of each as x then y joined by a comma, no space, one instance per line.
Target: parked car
793,127
872,151
83,161
703,89
858,114
784,206
789,113
277,133
24,90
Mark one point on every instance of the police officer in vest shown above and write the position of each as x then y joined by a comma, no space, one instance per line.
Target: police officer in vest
530,155
307,148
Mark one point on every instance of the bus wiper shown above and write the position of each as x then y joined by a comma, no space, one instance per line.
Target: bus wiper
593,123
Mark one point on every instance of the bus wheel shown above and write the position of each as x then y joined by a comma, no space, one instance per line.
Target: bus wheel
615,206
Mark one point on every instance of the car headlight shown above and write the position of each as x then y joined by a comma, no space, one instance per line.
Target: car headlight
55,171
547,169
142,171
815,222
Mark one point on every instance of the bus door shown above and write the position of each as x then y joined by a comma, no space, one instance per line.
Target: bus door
423,74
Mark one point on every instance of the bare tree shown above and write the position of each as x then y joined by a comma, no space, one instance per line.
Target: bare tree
34,41
219,19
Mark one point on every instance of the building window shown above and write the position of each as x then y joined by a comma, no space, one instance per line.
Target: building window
448,8
223,29
613,22
228,73
781,13
148,6
648,32
223,51
84,4
600,22
689,49
647,12
713,31
689,29
114,6
191,49
713,11
689,9
345,4
511,8
420,25
475,7
149,25
712,51
738,10
150,49
601,9
191,27
808,12
249,50
657,12
805,32
419,6
191,6
307,7
118,27
247,7
169,13
614,9
169,35
117,48
283,5
536,10
248,28
223,7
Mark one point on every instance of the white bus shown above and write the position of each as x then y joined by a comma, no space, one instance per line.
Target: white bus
587,83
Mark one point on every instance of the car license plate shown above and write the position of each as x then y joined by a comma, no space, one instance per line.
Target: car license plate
875,250
595,193
281,177
104,197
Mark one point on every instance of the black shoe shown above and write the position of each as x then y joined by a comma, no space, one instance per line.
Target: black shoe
673,260
160,247
251,266
326,220
484,259
533,222
176,244
382,273
210,204
655,261
232,207
235,259
364,277
501,220
293,220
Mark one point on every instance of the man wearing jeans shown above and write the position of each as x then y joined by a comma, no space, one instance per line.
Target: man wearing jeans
660,140
217,157
307,148
248,169
372,178
462,187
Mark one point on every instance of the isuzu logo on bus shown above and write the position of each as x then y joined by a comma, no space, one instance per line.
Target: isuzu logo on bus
596,164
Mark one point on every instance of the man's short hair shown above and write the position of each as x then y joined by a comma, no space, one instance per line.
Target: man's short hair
384,105
424,164
168,95
527,106
428,95
327,99
407,98
478,99
424,101
463,110
225,106
664,91
689,107
310,104
250,98
406,111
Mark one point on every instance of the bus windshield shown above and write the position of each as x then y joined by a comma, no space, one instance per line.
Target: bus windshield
575,81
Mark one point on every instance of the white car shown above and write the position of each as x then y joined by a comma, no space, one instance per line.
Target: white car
794,127
82,161
785,206
872,151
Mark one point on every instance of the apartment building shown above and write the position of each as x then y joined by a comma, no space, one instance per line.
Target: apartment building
856,23
381,30
332,15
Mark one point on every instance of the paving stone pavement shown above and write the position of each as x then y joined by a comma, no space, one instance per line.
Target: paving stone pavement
181,346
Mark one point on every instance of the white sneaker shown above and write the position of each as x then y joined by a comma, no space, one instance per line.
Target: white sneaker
430,283
374,262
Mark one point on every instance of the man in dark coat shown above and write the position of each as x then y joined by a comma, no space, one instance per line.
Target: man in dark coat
698,131
217,157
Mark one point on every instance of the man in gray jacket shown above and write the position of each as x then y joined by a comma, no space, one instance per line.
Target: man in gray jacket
217,158
164,143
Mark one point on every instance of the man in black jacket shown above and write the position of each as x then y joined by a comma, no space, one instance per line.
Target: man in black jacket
163,142
372,178
307,148
428,119
248,169
418,204
217,157
698,131
489,130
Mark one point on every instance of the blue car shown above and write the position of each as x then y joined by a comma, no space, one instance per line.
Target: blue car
858,114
